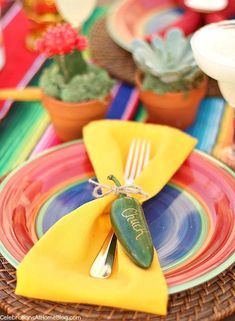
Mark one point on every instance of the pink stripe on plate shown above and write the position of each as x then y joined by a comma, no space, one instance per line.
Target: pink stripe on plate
49,139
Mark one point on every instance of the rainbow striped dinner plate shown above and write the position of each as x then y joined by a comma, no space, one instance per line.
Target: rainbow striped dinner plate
191,220
130,19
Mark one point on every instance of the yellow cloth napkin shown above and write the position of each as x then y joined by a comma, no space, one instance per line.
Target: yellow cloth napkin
57,267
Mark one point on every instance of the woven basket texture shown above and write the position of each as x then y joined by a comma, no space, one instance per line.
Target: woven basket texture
210,301
117,61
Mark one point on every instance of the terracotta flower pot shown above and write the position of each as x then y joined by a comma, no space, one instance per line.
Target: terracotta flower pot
70,118
175,109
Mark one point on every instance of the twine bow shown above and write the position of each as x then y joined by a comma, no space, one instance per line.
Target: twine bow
125,189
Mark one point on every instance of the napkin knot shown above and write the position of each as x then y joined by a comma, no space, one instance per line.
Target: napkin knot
124,189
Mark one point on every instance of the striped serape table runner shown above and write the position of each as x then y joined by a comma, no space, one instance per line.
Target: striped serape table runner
26,130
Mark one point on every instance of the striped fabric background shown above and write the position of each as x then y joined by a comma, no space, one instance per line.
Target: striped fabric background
26,130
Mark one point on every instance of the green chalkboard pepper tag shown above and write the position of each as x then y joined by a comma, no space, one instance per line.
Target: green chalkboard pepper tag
131,229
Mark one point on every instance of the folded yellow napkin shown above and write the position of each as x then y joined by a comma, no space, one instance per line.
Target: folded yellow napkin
57,267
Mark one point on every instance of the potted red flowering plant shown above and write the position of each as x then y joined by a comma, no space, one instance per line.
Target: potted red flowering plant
74,92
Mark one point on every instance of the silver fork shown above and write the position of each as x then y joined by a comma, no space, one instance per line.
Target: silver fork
138,158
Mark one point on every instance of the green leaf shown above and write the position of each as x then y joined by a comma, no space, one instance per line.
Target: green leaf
75,64
168,59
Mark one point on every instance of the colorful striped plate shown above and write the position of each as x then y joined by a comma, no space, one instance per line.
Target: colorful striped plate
191,219
131,19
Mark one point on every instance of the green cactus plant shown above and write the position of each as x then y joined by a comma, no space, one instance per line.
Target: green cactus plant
70,78
168,65
94,84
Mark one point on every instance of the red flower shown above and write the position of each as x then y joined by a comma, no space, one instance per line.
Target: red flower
61,40
81,43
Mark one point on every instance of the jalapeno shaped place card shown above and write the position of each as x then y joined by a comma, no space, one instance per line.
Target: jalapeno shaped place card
131,229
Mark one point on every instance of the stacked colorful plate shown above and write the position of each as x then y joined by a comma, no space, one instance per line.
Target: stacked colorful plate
191,219
131,19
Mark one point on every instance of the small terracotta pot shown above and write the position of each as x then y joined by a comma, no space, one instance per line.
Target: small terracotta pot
175,109
70,118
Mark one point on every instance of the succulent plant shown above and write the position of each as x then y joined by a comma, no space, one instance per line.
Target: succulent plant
51,81
168,64
94,84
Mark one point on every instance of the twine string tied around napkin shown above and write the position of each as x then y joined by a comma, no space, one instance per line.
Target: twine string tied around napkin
124,189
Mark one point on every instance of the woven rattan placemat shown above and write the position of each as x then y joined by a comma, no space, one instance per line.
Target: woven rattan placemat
213,300
118,62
